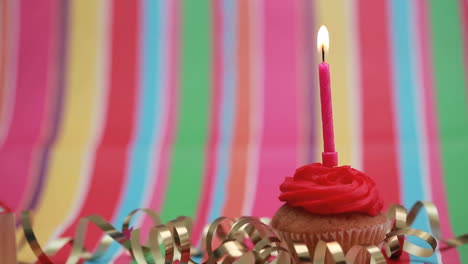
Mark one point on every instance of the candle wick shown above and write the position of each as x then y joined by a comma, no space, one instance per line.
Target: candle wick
323,54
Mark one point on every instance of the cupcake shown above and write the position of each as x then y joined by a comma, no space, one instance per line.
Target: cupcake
331,204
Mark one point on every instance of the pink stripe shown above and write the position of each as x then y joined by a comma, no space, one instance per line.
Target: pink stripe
4,39
26,133
9,44
303,72
311,86
211,151
157,200
279,140
435,170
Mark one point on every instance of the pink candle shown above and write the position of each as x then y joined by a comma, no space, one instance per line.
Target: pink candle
329,156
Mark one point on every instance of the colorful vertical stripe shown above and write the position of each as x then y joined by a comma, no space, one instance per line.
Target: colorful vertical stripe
379,148
256,101
243,111
55,105
279,135
464,28
148,117
211,152
170,87
303,88
5,9
434,167
188,153
450,87
65,172
412,160
10,37
313,130
226,113
107,176
151,107
201,108
169,93
19,152
354,74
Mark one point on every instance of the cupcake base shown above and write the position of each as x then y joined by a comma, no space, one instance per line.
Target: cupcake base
348,229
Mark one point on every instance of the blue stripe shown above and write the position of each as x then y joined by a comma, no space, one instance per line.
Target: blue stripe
149,114
407,110
228,100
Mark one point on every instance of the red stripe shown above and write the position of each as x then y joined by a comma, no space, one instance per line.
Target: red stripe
110,163
213,138
4,208
379,136
26,133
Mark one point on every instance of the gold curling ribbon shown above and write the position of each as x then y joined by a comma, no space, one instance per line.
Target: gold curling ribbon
78,250
336,253
174,238
333,248
246,240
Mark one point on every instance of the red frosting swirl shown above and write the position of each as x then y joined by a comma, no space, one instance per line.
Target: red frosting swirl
324,190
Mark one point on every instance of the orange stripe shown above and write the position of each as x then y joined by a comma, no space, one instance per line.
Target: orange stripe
239,155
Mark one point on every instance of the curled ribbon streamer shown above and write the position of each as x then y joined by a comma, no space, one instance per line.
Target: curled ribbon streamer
333,247
233,249
336,252
126,224
78,250
402,222
31,238
246,240
434,223
174,237
208,235
153,215
414,249
376,256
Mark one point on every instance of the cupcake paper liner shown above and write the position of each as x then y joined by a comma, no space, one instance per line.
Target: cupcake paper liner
373,235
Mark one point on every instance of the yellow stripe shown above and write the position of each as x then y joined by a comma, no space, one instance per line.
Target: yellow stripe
64,176
332,14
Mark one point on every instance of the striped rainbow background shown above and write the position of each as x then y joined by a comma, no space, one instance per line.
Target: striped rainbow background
201,108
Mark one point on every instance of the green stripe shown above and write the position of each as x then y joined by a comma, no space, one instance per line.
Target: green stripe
186,170
452,109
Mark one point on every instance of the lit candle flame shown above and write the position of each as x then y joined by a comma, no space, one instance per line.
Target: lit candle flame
323,40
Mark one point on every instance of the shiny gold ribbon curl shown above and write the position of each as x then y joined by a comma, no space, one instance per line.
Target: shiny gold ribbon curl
303,252
246,240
